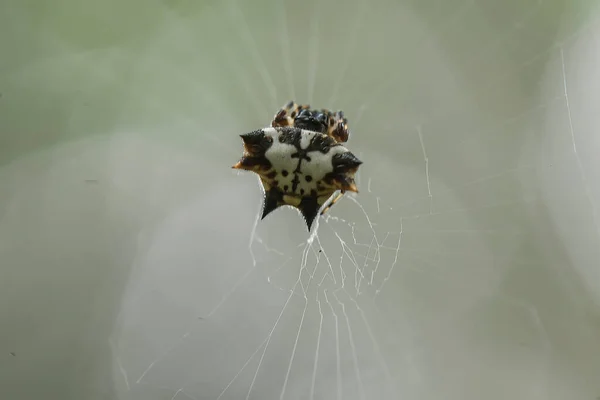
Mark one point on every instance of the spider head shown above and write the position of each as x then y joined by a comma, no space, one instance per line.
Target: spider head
311,121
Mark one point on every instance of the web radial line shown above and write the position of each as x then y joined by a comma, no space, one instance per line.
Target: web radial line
248,38
337,349
361,14
389,274
266,346
230,292
559,44
253,232
243,368
115,355
265,343
262,356
162,355
492,46
293,355
359,280
241,77
328,262
268,248
342,273
283,264
466,185
425,42
313,52
366,217
426,160
183,392
582,173
348,253
490,129
242,279
316,362
286,44
361,388
374,270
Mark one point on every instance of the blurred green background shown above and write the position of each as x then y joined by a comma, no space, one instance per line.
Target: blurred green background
131,263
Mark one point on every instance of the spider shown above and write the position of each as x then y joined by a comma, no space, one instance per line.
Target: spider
301,160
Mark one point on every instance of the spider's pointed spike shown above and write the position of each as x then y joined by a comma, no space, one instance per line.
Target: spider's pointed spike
309,207
346,162
272,201
253,137
256,143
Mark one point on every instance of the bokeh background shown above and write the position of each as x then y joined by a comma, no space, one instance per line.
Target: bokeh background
132,262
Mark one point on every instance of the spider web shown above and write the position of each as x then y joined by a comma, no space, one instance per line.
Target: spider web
420,286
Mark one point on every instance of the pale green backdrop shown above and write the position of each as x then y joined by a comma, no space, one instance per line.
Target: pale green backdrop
132,265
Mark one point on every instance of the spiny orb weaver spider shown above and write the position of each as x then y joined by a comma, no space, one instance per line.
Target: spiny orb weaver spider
300,159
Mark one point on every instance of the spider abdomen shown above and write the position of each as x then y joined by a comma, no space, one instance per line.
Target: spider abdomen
301,163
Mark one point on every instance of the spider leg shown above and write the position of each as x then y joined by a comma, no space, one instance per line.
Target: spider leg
338,127
287,114
332,202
